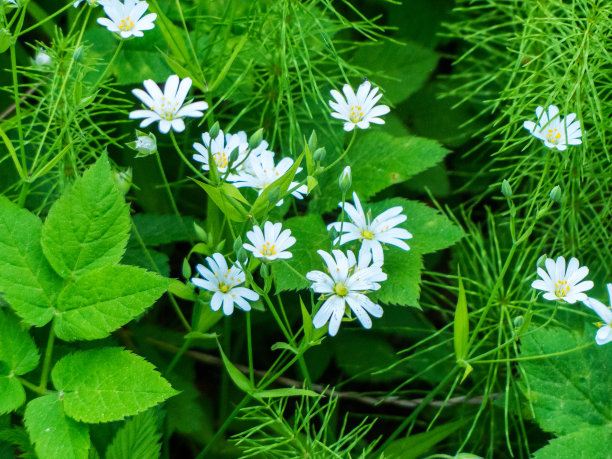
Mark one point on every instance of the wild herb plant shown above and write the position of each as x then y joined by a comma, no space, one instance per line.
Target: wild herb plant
225,229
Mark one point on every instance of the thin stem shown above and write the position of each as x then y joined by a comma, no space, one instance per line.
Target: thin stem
108,66
250,349
179,354
341,157
166,184
186,161
32,387
48,18
47,361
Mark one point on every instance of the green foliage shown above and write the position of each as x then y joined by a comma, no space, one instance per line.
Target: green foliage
88,226
108,384
416,445
136,439
583,444
18,356
105,299
54,434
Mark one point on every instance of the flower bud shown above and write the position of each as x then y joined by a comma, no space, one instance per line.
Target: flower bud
541,263
556,194
319,154
123,179
200,233
312,141
214,130
518,321
186,270
264,272
145,144
345,181
241,256
42,59
506,189
233,157
256,139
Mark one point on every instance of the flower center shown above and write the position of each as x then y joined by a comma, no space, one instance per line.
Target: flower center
561,288
267,249
356,114
167,110
221,159
553,136
223,288
340,289
126,24
367,234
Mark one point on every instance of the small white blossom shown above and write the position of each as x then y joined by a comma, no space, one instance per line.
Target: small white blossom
261,172
555,131
562,284
346,284
167,107
221,148
41,59
224,282
271,244
358,109
372,233
126,18
604,334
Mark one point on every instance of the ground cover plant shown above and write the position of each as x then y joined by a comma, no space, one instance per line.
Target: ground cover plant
283,228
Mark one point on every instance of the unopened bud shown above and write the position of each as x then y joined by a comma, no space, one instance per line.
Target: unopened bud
274,195
200,233
556,194
42,59
506,189
345,181
145,144
186,270
319,154
123,179
541,263
312,141
241,256
256,139
79,53
263,271
233,157
518,321
214,130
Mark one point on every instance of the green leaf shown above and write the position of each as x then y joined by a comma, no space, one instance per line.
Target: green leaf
419,444
150,259
137,439
27,280
396,160
461,326
568,392
108,384
286,392
156,230
12,394
310,235
105,299
223,198
55,435
583,444
402,286
87,227
239,379
400,69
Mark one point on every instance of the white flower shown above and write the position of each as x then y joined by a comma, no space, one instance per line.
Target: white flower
260,172
42,59
358,110
556,132
126,18
560,284
167,107
347,283
604,334
11,3
221,148
224,281
372,233
271,243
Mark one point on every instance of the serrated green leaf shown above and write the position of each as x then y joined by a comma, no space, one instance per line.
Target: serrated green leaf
239,379
12,394
403,284
137,439
88,226
108,384
396,160
27,280
105,299
55,435
17,348
568,391
310,235
583,444
151,260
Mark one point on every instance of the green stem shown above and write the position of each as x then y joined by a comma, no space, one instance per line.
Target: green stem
186,161
179,354
47,361
250,349
47,18
166,184
32,387
108,66
341,157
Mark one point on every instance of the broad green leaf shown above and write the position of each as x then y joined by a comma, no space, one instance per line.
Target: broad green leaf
17,348
402,286
310,235
108,384
584,444
568,392
286,392
378,160
27,281
12,394
400,69
55,435
88,226
136,439
239,379
105,299
417,445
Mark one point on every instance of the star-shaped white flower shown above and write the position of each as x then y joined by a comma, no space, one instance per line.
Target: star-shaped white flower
372,233
562,284
126,18
346,284
358,109
555,131
224,282
604,334
271,244
221,148
261,172
167,107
